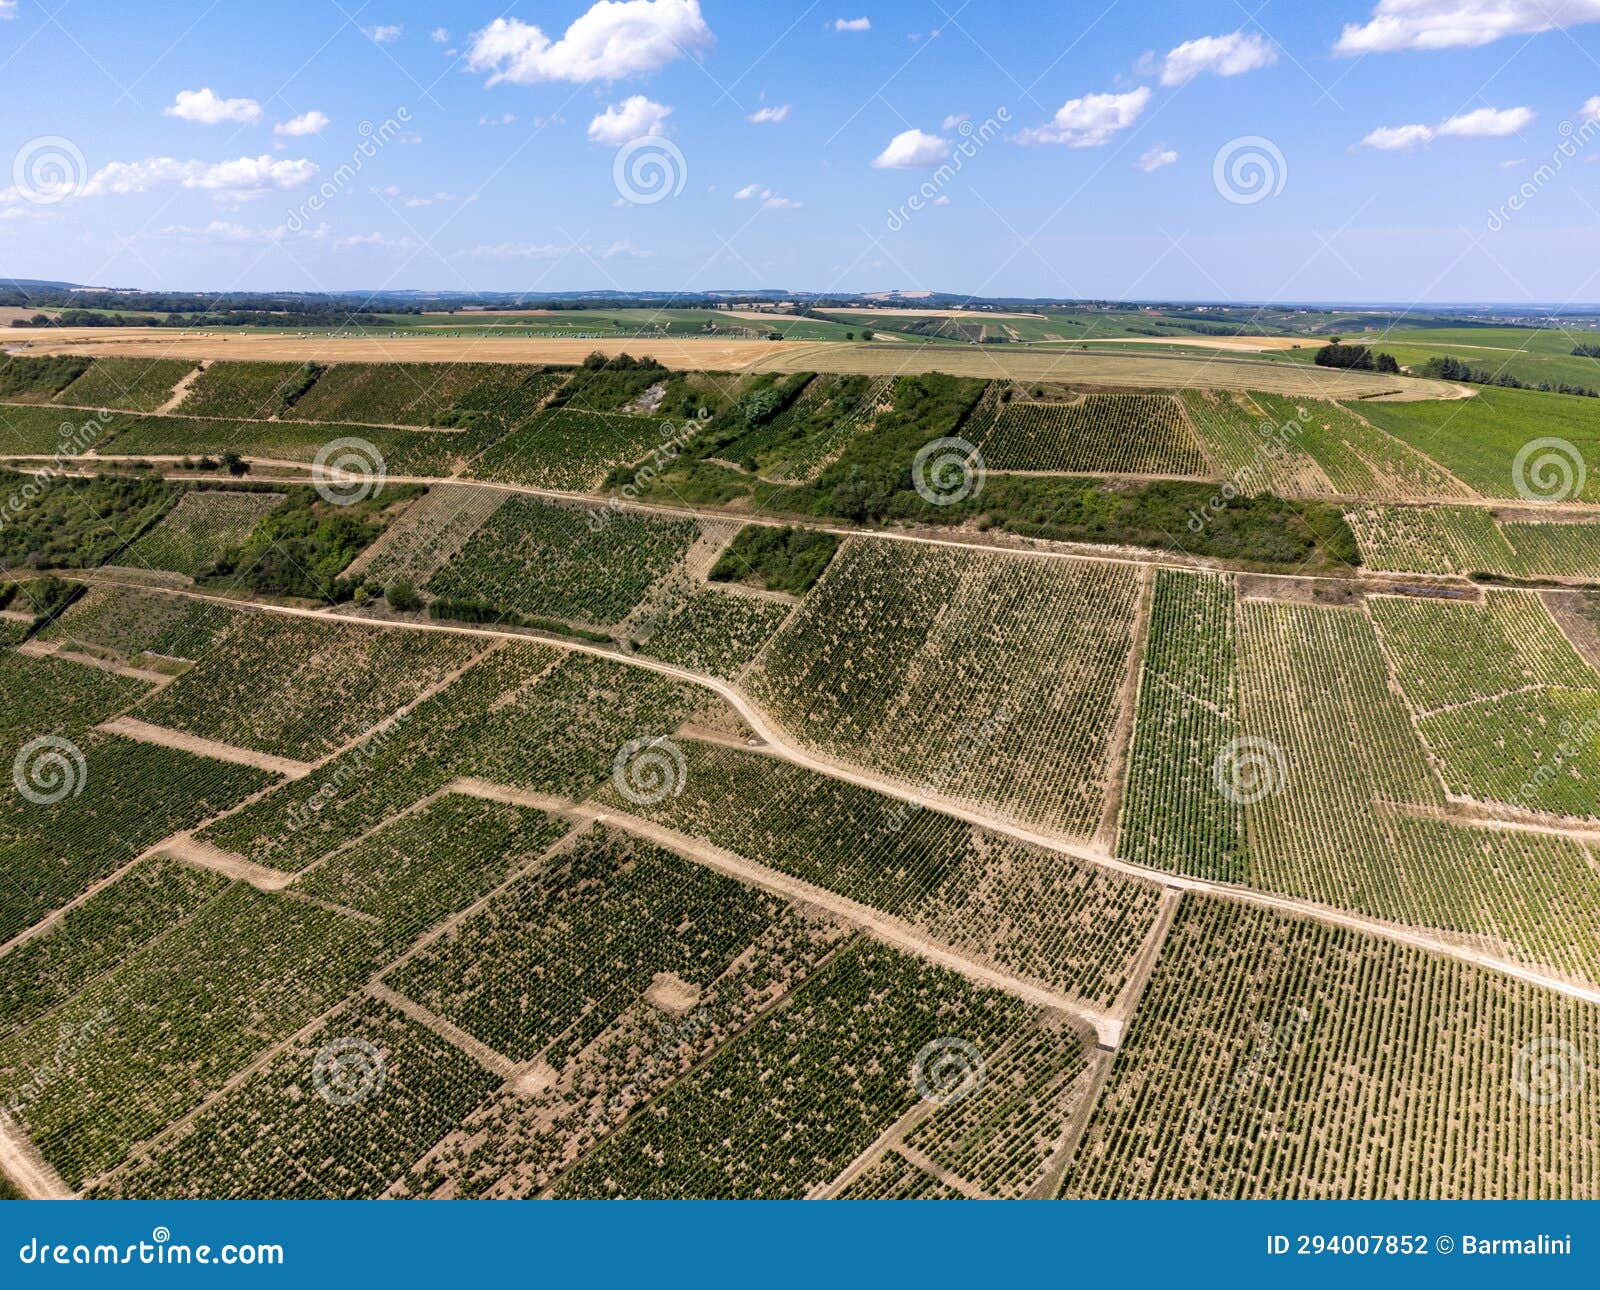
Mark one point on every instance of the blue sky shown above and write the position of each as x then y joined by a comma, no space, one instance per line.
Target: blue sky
1384,150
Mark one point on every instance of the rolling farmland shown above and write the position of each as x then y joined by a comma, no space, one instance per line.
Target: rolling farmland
667,837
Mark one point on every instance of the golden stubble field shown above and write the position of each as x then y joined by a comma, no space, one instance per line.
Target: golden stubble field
1154,370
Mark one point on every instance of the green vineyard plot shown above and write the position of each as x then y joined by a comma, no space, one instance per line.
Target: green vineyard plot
1284,1058
989,678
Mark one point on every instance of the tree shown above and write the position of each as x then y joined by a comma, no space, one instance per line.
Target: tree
402,596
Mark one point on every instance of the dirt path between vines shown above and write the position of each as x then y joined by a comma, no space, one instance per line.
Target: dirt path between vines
145,733
27,1169
782,746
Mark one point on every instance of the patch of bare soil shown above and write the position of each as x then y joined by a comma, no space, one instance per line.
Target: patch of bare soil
672,994
144,732
1303,591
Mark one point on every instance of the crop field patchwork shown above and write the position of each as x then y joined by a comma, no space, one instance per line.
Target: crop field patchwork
1346,809
751,1121
964,674
649,793
298,688
1281,1058
1033,913
523,716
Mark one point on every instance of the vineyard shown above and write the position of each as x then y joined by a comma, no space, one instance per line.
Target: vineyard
1027,911
961,674
784,1106
520,716
126,384
677,850
124,916
534,558
428,535
1173,817
547,966
248,391
711,631
255,1141
1275,1057
1099,434
571,448
1346,808
1472,540
422,394
298,688
199,530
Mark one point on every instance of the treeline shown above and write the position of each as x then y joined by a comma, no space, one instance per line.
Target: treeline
231,318
1446,368
1586,351
1356,357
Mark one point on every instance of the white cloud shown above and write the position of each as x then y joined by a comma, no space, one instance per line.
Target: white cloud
519,251
505,118
393,193
1449,24
312,122
912,149
439,36
852,24
954,119
770,201
246,176
614,39
382,35
357,240
216,231
769,115
631,119
1229,55
1488,123
1155,158
1399,138
1090,122
8,8
941,200
624,250
205,108
1590,111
